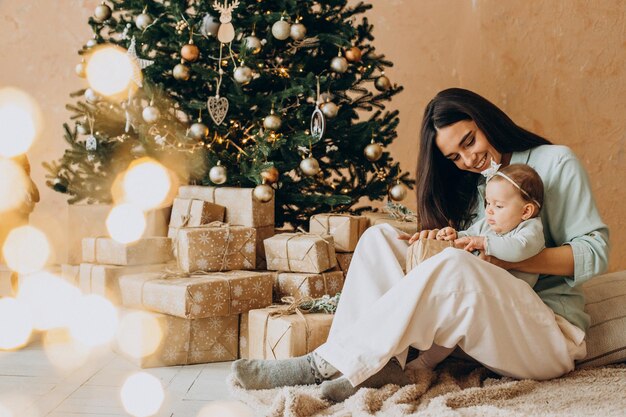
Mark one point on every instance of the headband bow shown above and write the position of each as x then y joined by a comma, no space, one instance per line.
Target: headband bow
491,171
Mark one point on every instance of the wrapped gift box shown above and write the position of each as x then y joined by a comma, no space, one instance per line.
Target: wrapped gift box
104,279
186,341
262,233
70,273
217,247
241,206
149,250
189,212
243,336
87,220
273,336
409,227
343,261
198,296
344,228
298,285
423,249
300,252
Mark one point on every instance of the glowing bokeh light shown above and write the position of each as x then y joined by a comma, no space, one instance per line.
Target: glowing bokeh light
63,351
109,70
95,321
225,409
26,249
126,223
142,394
13,184
16,324
146,184
20,119
139,334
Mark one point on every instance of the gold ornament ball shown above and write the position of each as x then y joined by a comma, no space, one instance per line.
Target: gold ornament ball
281,30
339,64
190,52
329,109
218,174
81,70
353,54
102,13
310,166
198,131
150,114
253,43
263,193
382,83
181,72
143,20
297,32
270,175
373,152
398,192
272,122
243,74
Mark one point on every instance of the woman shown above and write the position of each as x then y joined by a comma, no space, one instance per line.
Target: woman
456,299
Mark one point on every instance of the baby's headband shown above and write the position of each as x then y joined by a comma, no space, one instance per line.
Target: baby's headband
492,171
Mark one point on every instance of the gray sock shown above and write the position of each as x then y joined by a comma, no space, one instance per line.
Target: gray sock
340,389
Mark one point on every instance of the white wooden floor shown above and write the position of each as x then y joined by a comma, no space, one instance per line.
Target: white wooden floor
30,386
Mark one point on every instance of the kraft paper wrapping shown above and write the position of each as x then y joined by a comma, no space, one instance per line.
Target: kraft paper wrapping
104,279
423,249
380,218
243,336
344,228
188,341
286,336
87,220
300,252
343,261
198,296
216,247
149,250
262,233
300,285
189,212
241,206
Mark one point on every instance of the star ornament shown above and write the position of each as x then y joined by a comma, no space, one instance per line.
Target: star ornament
137,63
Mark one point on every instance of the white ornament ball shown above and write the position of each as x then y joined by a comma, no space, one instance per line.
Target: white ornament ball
81,70
102,13
91,43
91,96
243,74
138,150
297,32
181,72
263,193
373,152
81,129
339,64
218,174
281,30
143,20
398,192
253,44
198,131
329,109
150,114
310,166
210,26
272,122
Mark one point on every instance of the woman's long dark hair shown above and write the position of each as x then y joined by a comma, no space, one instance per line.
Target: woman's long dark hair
446,195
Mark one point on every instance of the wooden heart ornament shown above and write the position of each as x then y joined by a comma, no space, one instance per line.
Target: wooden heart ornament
218,107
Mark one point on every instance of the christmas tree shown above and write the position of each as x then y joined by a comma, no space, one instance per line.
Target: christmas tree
287,96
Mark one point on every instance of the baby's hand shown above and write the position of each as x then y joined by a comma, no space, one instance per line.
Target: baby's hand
447,233
470,243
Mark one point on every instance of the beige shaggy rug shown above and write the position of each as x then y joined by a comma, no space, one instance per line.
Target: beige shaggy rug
457,389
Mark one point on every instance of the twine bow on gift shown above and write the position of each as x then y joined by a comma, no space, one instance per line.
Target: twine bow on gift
301,234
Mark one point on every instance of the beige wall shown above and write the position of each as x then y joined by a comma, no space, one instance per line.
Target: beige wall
555,66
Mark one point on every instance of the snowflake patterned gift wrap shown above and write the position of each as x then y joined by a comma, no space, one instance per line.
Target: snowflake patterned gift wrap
185,341
344,228
149,250
409,227
279,336
243,336
343,261
241,206
189,212
216,247
298,285
198,296
104,279
423,249
300,252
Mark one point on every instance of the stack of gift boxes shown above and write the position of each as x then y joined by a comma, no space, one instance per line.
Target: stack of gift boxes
216,282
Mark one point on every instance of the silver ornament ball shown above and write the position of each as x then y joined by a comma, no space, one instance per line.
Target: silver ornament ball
243,74
263,193
102,13
181,72
272,122
91,43
339,64
81,70
143,20
210,26
253,44
398,192
91,96
281,30
373,152
218,174
330,109
81,129
382,83
150,114
310,166
198,131
297,32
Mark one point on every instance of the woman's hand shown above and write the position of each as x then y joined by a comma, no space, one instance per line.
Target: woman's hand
447,233
470,243
424,234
